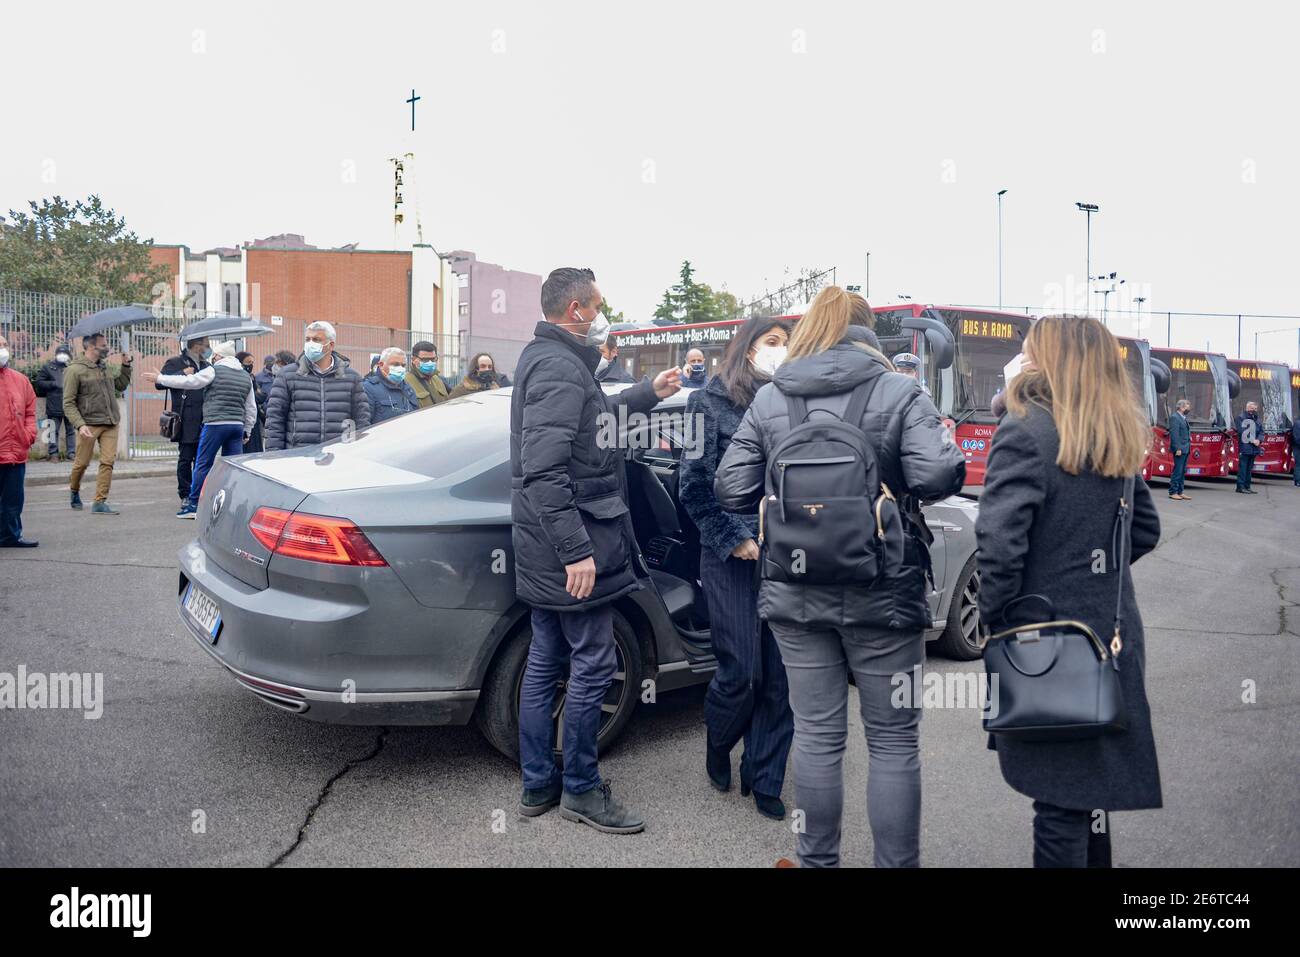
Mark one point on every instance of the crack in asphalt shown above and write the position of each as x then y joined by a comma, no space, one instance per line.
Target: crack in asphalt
325,793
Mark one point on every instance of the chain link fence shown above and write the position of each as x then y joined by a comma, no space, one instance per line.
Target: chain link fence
35,324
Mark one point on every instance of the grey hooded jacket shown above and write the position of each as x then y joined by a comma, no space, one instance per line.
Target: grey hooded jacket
914,454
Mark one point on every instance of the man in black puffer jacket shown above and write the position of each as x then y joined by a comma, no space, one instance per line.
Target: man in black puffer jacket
573,543
321,399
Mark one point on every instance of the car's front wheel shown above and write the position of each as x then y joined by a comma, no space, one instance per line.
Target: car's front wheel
497,715
960,638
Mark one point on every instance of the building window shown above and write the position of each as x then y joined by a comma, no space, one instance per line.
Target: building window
230,298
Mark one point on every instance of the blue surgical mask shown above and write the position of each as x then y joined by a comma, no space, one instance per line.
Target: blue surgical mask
428,367
313,350
207,354
396,373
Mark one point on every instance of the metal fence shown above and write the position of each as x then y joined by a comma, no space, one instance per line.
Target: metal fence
36,323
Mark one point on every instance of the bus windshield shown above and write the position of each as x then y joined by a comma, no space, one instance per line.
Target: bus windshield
1193,376
986,342
1268,385
1135,363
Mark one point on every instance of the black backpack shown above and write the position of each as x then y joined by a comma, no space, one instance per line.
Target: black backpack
826,517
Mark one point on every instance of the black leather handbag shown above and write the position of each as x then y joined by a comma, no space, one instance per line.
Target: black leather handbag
169,423
1055,679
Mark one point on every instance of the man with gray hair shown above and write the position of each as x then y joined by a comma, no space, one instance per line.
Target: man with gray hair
1180,446
387,389
317,400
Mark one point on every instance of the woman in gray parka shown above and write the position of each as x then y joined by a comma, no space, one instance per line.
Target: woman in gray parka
1073,429
826,631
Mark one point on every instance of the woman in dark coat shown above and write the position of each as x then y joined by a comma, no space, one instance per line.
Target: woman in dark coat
1072,431
748,697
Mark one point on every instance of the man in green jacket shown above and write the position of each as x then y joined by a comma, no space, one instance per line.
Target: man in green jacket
90,404
422,375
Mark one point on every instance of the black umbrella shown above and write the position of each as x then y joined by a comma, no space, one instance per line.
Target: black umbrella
230,327
107,319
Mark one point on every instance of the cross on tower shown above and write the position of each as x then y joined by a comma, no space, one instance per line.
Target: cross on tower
412,102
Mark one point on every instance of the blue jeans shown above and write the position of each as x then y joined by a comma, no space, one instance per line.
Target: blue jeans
1245,463
226,439
1176,477
585,641
11,502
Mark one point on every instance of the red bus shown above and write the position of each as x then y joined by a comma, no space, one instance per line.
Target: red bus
962,352
1203,379
1268,385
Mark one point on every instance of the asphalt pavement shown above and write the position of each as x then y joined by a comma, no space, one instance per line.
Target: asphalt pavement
185,768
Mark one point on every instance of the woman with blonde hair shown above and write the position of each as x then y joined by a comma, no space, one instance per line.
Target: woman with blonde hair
827,631
1072,433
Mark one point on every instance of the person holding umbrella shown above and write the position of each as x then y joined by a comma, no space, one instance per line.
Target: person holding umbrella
229,413
90,404
188,404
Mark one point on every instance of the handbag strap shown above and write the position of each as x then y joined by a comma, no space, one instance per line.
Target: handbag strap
1122,547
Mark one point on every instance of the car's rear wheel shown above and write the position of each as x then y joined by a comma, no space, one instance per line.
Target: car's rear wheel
498,711
960,638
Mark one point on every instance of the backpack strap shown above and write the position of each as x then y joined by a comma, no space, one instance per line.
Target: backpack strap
858,400
797,407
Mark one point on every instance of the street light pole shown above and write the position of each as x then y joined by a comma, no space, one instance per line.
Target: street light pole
1001,192
1088,210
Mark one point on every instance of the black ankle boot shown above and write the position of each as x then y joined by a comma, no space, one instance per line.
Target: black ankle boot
769,806
718,765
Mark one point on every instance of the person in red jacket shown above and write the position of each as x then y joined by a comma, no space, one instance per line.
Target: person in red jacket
17,433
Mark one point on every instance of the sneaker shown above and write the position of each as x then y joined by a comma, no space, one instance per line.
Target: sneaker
187,511
537,801
103,508
76,501
598,809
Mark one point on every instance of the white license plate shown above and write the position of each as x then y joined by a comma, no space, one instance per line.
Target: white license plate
203,611
1195,471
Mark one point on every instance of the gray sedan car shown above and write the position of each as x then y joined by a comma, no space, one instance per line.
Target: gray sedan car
370,581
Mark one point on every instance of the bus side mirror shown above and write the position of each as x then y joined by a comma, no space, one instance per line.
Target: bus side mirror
939,339
1234,384
1161,374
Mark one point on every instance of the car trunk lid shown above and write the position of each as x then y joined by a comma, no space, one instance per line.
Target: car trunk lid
231,496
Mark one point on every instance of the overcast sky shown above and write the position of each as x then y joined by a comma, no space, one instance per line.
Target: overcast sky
748,137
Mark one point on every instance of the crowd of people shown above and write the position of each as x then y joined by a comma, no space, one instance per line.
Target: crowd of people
786,641
785,646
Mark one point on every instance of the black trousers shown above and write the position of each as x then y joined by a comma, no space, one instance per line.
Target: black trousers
749,697
1064,837
61,423
185,467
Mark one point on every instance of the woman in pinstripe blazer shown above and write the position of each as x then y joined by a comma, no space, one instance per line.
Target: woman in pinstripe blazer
748,698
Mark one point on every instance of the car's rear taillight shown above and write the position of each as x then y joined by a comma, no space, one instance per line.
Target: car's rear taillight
313,538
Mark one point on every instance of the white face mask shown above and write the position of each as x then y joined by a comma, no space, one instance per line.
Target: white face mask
602,365
767,358
1012,368
4,358
62,358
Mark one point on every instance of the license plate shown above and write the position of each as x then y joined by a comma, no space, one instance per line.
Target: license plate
203,611
1195,471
